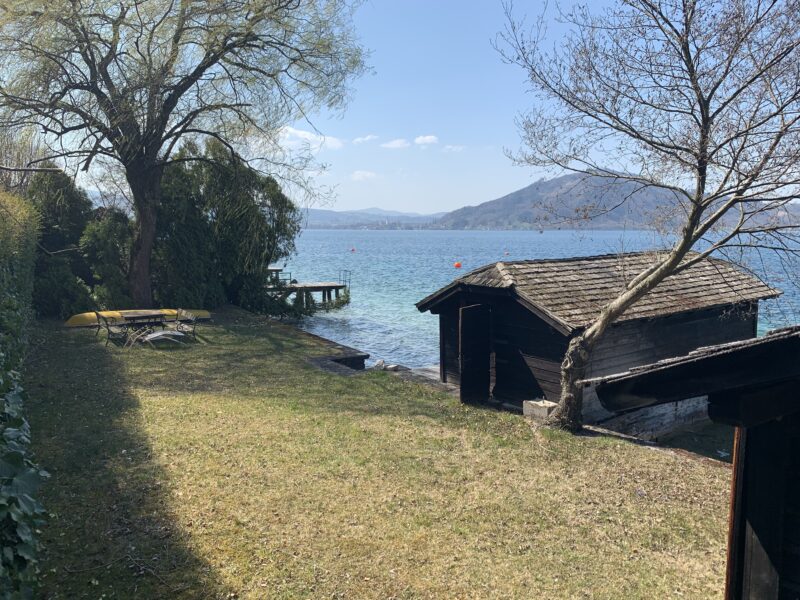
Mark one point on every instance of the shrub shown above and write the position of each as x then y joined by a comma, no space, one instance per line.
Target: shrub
106,244
20,513
64,210
57,291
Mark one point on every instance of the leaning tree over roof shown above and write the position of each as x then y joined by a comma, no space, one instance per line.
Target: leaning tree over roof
131,80
700,98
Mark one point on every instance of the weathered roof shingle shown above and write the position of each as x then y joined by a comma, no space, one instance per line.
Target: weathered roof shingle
572,291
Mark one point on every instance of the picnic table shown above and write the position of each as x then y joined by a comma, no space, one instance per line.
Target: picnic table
139,319
142,324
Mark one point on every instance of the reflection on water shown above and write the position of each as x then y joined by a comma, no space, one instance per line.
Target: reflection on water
392,270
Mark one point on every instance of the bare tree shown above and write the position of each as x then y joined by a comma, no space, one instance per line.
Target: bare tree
131,80
700,98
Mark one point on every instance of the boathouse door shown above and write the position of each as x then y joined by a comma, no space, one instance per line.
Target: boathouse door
474,352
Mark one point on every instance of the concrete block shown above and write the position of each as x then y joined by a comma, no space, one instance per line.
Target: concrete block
538,410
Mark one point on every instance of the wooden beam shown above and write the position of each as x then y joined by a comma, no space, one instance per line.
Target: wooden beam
748,367
736,521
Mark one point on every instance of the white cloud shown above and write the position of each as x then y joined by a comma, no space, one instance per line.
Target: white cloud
295,139
450,148
367,138
426,140
363,175
398,143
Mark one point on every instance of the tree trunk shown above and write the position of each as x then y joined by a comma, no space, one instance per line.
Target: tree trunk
569,412
145,187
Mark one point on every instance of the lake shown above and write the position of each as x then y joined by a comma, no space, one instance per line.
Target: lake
392,270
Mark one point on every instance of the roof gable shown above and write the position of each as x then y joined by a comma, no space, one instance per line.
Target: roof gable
572,291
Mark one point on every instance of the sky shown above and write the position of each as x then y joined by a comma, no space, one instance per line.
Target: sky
425,131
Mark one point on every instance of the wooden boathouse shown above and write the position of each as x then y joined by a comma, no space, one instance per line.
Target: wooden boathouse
504,327
753,385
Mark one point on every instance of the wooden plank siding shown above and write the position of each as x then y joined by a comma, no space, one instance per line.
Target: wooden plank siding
520,336
754,385
635,343
526,351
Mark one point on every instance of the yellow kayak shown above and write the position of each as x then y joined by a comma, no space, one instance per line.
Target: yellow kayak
88,319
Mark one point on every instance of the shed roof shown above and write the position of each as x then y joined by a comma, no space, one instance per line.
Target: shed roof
570,292
710,369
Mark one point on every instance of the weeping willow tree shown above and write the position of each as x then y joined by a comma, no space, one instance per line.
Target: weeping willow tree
222,224
130,81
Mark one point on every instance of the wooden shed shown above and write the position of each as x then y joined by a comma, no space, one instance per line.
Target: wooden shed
753,385
504,327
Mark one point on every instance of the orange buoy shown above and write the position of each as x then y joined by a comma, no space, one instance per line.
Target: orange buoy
457,265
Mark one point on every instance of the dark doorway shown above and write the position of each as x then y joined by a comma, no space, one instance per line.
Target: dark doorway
475,335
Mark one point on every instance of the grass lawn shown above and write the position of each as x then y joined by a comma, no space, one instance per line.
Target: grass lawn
234,469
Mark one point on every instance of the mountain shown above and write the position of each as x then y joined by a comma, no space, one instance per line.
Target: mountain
367,218
560,203
563,202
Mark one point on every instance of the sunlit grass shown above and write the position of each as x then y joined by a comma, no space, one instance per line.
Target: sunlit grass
234,467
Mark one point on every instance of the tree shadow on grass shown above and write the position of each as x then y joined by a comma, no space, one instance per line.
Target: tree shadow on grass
111,531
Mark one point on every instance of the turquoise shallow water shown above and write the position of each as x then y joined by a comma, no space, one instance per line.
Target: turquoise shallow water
392,270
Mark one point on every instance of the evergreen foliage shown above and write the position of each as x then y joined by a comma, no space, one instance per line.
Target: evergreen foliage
57,291
62,273
106,244
185,268
20,513
220,225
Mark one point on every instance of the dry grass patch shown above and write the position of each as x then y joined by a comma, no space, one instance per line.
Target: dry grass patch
233,468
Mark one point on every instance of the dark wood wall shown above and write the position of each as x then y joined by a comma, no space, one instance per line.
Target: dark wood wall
448,340
528,351
764,558
519,338
635,343
528,355
790,575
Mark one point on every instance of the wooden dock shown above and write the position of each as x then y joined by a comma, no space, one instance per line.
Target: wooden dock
283,286
329,289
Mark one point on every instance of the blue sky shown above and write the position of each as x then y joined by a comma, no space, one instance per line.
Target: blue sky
426,130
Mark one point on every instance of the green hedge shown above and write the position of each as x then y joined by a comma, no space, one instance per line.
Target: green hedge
20,513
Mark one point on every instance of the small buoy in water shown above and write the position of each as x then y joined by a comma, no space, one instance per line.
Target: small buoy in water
352,249
457,265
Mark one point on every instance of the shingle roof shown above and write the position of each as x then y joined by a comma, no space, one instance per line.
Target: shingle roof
572,291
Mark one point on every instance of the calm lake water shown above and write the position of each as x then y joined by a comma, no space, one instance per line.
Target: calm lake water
392,270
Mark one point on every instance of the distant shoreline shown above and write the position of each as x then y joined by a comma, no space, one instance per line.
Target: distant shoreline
532,229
